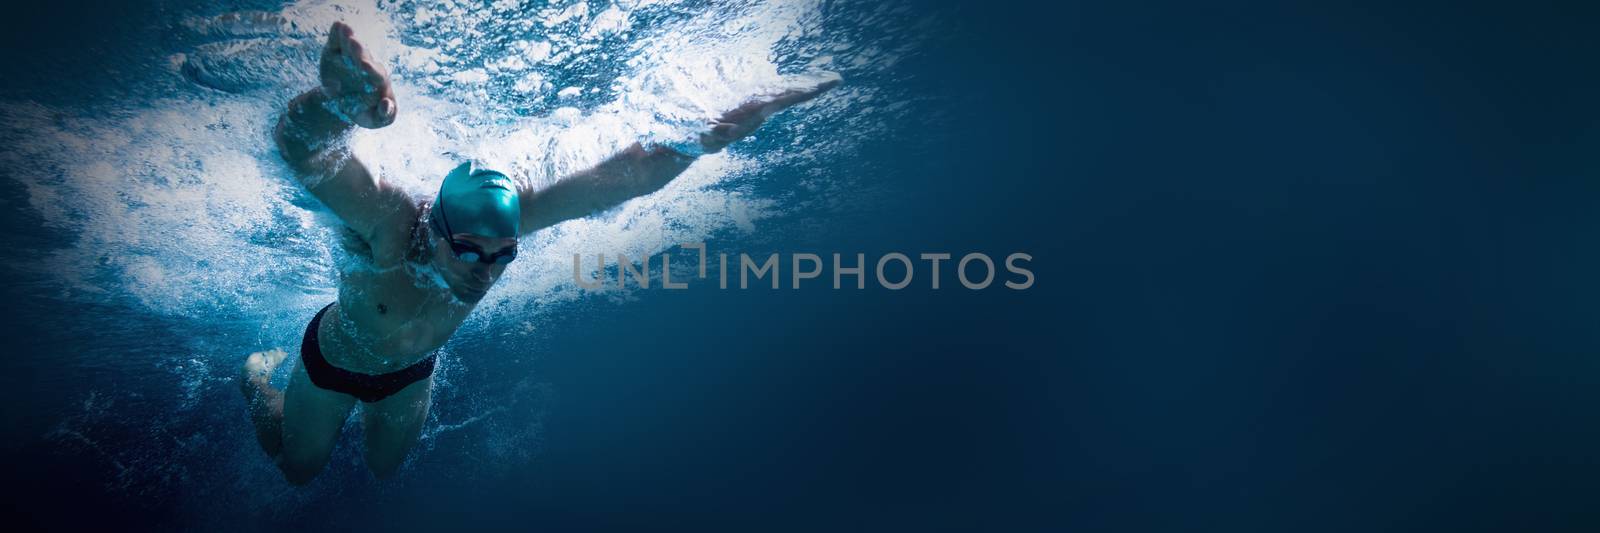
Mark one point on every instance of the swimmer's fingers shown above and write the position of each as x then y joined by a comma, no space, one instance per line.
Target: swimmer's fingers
731,131
760,109
355,53
359,84
345,56
721,134
339,42
793,97
335,38
356,59
334,66
743,120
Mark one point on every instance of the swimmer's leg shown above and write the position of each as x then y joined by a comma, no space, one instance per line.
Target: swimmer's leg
297,427
312,417
393,425
265,403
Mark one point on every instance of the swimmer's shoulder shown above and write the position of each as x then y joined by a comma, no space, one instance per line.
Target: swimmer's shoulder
395,240
390,246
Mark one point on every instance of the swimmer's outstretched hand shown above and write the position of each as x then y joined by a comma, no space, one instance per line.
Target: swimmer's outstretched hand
744,120
356,86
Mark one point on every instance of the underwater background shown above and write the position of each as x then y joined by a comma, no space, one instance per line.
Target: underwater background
1298,267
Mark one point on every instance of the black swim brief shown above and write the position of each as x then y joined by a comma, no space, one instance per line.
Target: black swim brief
365,387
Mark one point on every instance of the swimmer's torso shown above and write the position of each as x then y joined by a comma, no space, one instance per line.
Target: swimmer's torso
389,316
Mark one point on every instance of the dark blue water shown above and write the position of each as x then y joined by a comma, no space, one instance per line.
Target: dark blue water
1320,268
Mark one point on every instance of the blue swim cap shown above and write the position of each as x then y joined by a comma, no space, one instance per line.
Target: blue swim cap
481,202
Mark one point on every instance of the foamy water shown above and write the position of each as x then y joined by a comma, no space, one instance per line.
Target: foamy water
180,209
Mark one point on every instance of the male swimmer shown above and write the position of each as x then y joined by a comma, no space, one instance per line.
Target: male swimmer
432,260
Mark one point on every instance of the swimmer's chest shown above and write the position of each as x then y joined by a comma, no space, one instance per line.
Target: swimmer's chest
400,317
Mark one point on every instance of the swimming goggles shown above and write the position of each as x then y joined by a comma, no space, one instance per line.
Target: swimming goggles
469,252
466,251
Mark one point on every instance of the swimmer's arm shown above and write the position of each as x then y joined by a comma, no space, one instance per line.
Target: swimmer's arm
313,138
639,170
633,172
313,141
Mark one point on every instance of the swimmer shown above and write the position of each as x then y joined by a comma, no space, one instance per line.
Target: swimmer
432,260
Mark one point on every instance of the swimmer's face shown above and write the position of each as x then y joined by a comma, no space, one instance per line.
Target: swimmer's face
470,280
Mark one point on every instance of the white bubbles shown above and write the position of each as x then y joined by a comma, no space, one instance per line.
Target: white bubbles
175,202
162,202
180,201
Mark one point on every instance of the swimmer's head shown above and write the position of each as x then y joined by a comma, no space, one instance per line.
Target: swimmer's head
478,201
475,221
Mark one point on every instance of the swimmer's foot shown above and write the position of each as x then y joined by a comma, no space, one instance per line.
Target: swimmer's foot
257,372
266,402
